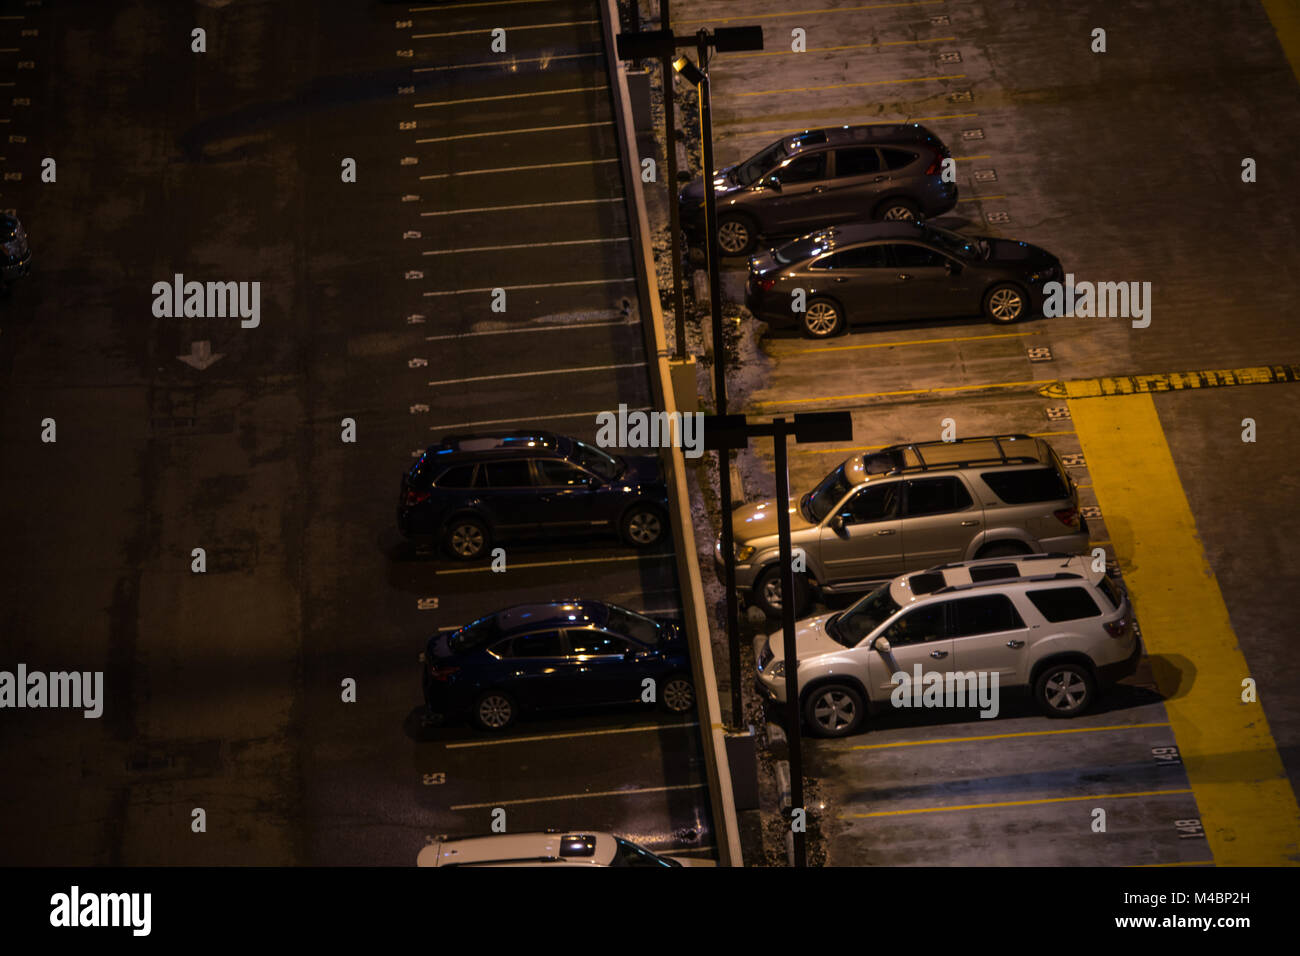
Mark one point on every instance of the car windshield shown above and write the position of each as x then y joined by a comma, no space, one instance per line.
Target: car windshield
597,461
954,243
751,169
473,635
633,625
851,626
802,248
629,854
827,495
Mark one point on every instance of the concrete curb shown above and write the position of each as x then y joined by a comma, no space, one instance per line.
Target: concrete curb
725,825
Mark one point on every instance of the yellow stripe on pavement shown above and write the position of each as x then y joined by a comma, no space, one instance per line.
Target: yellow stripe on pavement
1246,804
1024,733
1099,797
1285,15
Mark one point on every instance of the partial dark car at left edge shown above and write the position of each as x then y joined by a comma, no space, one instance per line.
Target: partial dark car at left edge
552,656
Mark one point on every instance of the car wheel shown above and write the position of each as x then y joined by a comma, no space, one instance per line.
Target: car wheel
1000,551
833,710
898,210
736,235
822,319
467,538
1004,303
642,526
1065,690
768,592
493,710
678,694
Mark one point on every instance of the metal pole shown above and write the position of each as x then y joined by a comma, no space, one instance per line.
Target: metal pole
674,213
720,381
793,727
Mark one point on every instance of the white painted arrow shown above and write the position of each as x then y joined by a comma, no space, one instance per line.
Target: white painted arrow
201,355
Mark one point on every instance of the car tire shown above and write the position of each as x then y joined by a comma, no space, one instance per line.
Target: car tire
1005,303
466,538
1066,689
493,710
642,526
767,592
833,710
737,235
1002,550
822,319
677,696
898,210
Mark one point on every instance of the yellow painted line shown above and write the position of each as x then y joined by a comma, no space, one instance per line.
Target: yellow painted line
890,345
1244,798
981,198
991,386
1173,381
810,13
1139,866
833,49
967,159
852,86
849,451
1027,733
1014,803
1285,15
800,129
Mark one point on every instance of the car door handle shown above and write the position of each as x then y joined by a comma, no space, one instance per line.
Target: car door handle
841,278
1015,644
904,276
819,189
880,179
964,524
938,654
886,531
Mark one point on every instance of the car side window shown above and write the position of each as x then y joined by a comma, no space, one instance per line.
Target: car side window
505,474
935,496
858,161
541,644
919,626
596,643
873,503
986,614
803,169
457,476
1064,604
897,158
861,257
556,472
909,256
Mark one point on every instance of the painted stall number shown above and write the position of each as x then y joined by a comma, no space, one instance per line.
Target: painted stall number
403,24
431,779
1189,829
1040,353
17,139
414,274
410,234
405,52
1073,461
977,133
419,409
428,604
960,96
410,197
1168,756
953,57
21,101
406,124
404,90
986,176
999,217
1091,512
410,161
417,363
1058,413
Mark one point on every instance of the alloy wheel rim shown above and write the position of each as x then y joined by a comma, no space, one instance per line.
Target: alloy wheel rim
820,319
644,528
733,236
834,710
1005,304
678,695
467,540
494,711
897,213
1065,690
772,592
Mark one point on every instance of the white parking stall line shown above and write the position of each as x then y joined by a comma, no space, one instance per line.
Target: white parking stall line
667,556
530,26
525,418
507,132
508,63
535,285
520,169
526,205
509,96
578,796
551,371
565,736
537,328
522,245
480,3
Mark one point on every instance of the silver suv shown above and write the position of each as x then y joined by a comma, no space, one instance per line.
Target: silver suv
908,507
1044,622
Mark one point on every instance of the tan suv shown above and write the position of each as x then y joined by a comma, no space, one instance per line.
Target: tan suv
908,507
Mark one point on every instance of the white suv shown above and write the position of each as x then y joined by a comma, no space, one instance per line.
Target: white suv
545,848
1046,622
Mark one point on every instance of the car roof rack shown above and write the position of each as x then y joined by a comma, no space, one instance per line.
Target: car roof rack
1032,579
1002,459
1006,559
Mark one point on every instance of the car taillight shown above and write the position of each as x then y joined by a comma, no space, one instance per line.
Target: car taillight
766,284
1117,628
441,672
414,497
935,165
1068,517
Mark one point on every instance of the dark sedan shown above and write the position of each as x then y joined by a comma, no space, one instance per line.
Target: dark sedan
889,271
559,655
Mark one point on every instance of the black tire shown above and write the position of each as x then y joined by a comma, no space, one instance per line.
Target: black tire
767,592
493,711
643,526
466,538
1005,303
833,710
823,318
1066,689
1003,550
677,695
737,235
898,209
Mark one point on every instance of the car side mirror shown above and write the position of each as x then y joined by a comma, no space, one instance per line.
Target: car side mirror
882,645
773,182
837,523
